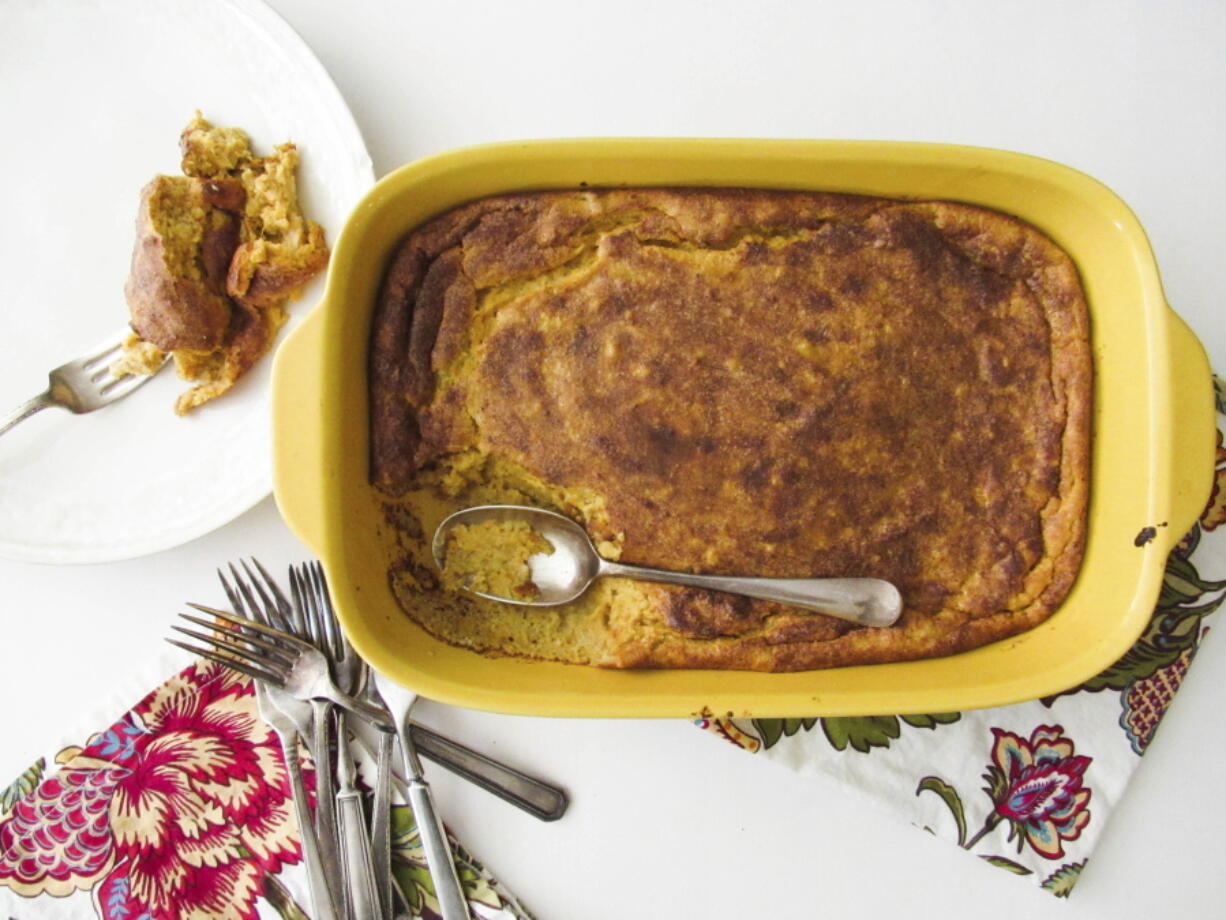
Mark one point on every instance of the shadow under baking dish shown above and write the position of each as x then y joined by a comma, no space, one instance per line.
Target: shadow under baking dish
1147,471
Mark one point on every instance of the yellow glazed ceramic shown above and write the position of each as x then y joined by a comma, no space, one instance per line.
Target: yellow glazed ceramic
1148,471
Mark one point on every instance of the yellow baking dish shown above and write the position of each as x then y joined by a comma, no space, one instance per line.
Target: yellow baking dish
1152,451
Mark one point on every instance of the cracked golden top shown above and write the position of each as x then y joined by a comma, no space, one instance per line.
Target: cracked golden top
220,252
739,382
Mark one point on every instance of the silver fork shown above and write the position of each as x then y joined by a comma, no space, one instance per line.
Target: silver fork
535,796
307,585
439,860
357,880
287,733
81,386
296,715
278,657
284,660
290,619
367,855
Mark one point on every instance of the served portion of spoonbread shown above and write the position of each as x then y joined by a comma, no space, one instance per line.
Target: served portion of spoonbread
220,253
742,382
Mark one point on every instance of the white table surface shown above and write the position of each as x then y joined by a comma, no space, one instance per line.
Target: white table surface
667,821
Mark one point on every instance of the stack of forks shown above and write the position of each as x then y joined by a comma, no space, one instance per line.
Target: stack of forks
311,686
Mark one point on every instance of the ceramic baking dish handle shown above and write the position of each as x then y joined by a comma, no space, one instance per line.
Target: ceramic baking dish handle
297,430
1192,427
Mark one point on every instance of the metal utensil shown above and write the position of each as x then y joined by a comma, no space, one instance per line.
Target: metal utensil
322,905
355,872
452,902
81,386
363,898
261,599
537,797
568,571
292,664
284,660
367,855
308,589
528,793
275,656
439,860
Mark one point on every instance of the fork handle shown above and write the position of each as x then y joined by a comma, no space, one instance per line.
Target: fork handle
451,901
325,788
453,905
536,797
25,410
322,905
380,821
361,889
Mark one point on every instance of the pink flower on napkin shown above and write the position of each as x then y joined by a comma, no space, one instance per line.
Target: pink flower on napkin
1036,786
187,803
58,839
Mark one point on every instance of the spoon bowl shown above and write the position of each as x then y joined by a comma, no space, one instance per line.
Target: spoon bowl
567,572
560,576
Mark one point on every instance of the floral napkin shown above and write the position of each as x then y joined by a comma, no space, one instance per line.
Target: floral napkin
180,810
1026,787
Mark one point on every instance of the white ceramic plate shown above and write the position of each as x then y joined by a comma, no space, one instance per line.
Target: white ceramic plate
93,95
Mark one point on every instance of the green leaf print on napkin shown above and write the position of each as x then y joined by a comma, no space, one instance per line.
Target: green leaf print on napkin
772,730
949,795
1061,882
1007,864
413,875
1173,630
860,733
22,786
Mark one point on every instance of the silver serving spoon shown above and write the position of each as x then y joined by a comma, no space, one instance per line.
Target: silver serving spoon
574,564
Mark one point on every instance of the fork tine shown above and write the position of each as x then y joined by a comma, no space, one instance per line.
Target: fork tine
232,653
231,595
261,616
322,578
327,611
236,648
275,604
267,604
299,596
307,613
122,386
317,617
103,354
276,651
283,604
268,632
325,625
244,590
241,667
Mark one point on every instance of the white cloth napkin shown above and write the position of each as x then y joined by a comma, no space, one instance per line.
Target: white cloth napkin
1027,787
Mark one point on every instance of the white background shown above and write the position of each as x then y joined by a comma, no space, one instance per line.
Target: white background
667,821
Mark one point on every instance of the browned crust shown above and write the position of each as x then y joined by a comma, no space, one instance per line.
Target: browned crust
1020,468
203,313
220,252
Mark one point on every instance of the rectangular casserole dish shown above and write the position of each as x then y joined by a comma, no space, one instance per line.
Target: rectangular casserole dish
1147,472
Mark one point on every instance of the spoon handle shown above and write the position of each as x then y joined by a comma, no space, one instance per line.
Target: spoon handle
867,601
